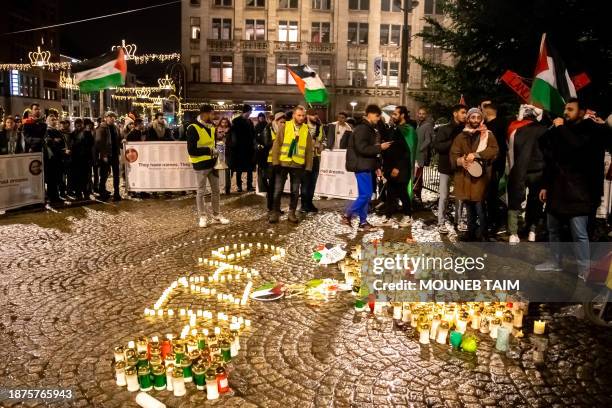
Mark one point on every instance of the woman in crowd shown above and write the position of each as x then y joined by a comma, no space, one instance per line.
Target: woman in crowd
11,139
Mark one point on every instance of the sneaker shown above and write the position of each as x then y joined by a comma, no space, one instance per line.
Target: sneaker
218,219
532,236
292,217
514,239
548,266
346,220
273,217
366,226
405,221
442,229
203,222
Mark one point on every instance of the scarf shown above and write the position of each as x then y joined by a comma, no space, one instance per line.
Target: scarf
13,139
412,142
514,126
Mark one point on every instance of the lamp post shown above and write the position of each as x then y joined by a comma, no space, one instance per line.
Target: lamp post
353,104
408,6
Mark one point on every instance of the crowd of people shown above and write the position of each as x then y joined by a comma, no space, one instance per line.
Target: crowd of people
551,169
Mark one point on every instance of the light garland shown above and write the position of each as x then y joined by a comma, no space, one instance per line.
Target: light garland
166,83
128,49
145,58
123,90
66,81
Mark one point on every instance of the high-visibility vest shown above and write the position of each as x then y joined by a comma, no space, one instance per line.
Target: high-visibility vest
204,140
299,156
273,133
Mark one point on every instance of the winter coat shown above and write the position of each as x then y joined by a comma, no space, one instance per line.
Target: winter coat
264,145
4,142
330,136
443,140
82,144
158,133
363,149
136,135
425,134
574,167
34,132
243,145
470,188
276,151
104,142
499,127
397,156
527,158
261,155
56,146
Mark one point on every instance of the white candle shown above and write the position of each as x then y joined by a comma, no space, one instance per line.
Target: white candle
397,312
132,382
539,327
424,336
442,334
406,315
461,325
245,294
435,323
146,401
475,321
212,389
518,318
178,385
493,330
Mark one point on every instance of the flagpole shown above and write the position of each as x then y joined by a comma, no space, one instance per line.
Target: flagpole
101,102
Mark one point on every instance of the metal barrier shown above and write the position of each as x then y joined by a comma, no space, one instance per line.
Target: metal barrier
431,176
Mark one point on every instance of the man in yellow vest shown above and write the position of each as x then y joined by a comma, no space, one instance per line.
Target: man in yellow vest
203,156
292,154
269,136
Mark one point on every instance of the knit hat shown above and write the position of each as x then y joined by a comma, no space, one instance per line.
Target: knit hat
279,115
472,111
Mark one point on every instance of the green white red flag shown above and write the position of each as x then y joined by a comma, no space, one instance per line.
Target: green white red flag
103,72
309,84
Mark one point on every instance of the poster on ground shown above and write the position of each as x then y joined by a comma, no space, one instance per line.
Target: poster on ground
21,180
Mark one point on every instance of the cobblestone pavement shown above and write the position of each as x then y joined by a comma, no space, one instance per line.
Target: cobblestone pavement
74,285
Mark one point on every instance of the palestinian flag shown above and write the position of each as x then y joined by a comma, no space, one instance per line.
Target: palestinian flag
552,85
309,84
103,72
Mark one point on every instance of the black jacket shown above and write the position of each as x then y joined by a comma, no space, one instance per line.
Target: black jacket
397,156
34,133
243,146
443,140
264,145
82,147
574,170
152,135
4,142
194,150
56,146
107,143
362,151
527,158
136,135
499,128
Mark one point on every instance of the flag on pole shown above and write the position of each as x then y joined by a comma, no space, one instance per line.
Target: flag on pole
103,72
552,85
309,84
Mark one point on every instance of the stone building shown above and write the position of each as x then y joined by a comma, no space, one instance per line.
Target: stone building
237,51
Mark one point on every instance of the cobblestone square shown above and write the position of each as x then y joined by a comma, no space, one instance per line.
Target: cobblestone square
75,283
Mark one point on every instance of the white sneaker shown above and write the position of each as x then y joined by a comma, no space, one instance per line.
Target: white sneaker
203,222
532,236
219,219
405,221
514,239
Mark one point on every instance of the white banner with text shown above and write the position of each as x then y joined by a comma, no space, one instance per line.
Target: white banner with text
22,180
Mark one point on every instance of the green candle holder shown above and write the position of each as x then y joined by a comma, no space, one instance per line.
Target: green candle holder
455,339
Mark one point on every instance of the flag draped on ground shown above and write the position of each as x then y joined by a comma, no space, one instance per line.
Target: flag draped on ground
103,72
309,84
552,85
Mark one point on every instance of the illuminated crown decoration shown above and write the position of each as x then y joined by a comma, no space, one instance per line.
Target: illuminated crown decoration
128,49
165,83
143,93
39,58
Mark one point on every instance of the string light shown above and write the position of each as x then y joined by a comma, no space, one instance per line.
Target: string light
166,83
145,58
66,81
124,90
128,49
39,58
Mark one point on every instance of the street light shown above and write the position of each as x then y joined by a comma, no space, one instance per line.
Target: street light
408,6
353,104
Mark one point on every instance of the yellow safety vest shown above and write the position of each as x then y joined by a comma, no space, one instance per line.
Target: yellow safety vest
273,133
204,140
299,156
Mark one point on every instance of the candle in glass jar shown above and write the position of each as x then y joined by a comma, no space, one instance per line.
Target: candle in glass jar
397,312
424,334
169,378
406,315
120,373
461,325
476,321
178,383
518,318
442,333
212,390
119,353
495,324
131,379
539,327
435,323
484,325
503,335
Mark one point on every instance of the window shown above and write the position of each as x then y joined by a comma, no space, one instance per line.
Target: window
288,31
221,68
357,72
15,83
359,4
358,33
319,33
390,74
431,52
255,3
286,4
194,62
221,29
283,77
390,34
391,5
224,3
195,2
322,66
255,30
433,6
254,69
195,31
321,4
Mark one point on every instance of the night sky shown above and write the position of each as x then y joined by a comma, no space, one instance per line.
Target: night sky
153,31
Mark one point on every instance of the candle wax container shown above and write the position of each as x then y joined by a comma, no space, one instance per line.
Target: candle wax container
159,378
469,344
397,312
212,390
144,379
518,318
132,379
484,326
222,382
120,373
199,376
539,327
476,321
119,353
186,366
169,381
455,339
226,352
424,334
503,335
461,325
442,333
178,383
495,324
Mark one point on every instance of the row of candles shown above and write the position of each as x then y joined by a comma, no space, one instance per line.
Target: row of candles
199,358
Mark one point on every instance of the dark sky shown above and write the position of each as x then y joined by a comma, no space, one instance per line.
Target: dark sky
155,30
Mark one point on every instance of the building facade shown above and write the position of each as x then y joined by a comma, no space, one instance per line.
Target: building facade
237,51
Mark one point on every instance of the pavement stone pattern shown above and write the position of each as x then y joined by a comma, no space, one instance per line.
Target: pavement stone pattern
74,285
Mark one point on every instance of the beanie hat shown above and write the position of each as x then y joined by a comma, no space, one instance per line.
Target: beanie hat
472,111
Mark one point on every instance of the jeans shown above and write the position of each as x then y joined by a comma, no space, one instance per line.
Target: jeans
309,183
295,175
475,212
444,191
492,198
580,236
249,180
212,176
534,211
360,205
397,190
105,169
269,180
418,182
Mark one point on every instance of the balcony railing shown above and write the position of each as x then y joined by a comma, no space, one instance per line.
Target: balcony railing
254,45
220,45
326,48
287,46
